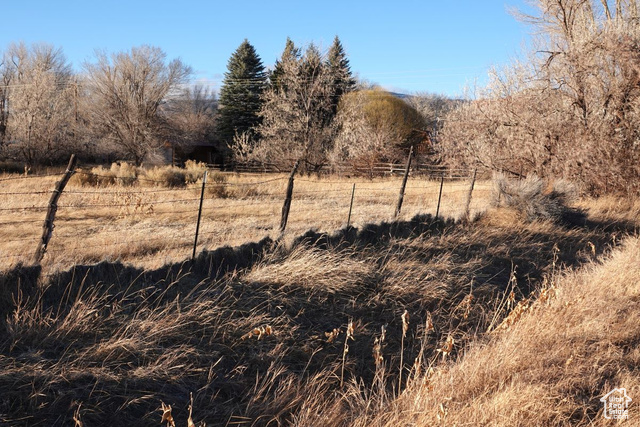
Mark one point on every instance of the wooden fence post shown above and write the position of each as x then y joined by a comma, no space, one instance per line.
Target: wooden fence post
47,227
353,192
440,195
287,201
195,242
404,184
467,209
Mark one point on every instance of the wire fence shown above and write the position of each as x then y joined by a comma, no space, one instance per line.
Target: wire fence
147,223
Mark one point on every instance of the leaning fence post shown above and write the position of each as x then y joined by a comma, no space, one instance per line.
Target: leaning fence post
440,195
287,201
404,184
47,227
467,209
353,192
195,242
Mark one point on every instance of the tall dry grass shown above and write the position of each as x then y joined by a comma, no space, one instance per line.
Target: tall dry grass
574,344
265,345
148,218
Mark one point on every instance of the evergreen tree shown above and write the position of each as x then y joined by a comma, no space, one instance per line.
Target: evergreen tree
241,93
315,71
290,53
342,80
296,115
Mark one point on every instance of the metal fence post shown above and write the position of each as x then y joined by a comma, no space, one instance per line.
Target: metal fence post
353,192
195,242
440,195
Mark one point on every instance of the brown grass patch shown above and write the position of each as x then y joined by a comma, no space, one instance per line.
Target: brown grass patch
551,367
96,212
314,269
116,341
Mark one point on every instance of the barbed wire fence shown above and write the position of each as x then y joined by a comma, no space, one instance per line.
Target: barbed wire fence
146,217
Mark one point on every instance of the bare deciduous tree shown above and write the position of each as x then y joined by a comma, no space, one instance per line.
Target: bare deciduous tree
125,91
433,108
37,112
296,116
7,73
570,110
190,116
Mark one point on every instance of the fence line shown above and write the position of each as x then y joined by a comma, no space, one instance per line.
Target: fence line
103,205
39,221
259,203
14,178
23,208
24,193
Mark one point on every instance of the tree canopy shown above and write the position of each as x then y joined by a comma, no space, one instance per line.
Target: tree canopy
568,110
241,93
125,91
296,115
376,126
342,80
290,53
36,107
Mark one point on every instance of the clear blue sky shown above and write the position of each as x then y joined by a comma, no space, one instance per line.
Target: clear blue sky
406,46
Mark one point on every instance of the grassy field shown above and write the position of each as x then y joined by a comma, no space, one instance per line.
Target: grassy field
149,225
496,321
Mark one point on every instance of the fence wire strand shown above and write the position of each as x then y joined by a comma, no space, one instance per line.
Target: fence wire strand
262,207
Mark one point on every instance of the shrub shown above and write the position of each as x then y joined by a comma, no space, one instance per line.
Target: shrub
124,173
94,177
217,177
166,176
194,171
83,177
13,167
118,174
535,198
216,185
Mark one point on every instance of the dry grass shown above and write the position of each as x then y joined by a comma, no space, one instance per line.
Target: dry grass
317,270
387,329
576,343
151,223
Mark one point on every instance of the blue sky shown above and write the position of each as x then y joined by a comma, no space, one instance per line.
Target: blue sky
405,46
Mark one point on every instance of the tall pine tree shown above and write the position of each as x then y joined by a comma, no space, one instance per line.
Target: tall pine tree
342,80
241,93
290,53
315,70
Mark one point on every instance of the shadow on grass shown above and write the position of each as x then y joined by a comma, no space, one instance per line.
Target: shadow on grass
118,340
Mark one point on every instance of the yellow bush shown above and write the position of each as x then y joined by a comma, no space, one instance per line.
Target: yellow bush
167,176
